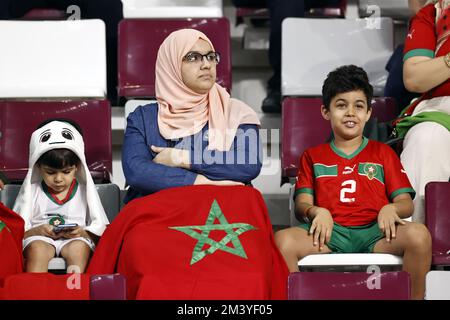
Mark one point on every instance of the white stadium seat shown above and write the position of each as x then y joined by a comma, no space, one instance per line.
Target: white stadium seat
58,59
311,48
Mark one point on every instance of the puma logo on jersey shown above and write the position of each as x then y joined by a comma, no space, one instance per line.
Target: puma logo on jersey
348,170
410,35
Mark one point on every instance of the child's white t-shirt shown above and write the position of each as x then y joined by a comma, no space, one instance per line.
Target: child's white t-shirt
47,211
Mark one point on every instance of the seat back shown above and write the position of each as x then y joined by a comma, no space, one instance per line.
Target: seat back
131,105
437,219
332,43
349,286
133,9
139,41
437,285
18,120
110,197
9,194
44,14
52,59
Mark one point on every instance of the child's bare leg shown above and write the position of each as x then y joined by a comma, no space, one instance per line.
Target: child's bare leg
296,243
77,254
413,242
37,256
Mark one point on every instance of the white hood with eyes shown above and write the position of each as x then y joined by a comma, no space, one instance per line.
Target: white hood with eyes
59,135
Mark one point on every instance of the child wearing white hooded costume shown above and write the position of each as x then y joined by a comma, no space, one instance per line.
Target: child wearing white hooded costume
64,194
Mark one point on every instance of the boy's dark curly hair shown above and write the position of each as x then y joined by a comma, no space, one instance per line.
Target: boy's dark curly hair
345,79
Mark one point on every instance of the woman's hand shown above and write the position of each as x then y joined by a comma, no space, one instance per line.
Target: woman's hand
321,226
172,157
387,220
201,179
2,185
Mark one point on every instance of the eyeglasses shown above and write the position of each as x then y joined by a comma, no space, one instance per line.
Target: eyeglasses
197,57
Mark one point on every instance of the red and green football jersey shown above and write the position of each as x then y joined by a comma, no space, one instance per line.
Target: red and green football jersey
353,187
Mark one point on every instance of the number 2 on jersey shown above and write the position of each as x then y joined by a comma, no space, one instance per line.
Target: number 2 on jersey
348,186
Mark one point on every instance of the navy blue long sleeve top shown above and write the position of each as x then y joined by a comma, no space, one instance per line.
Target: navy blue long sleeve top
241,163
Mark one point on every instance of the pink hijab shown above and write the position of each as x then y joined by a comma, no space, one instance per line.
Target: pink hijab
183,112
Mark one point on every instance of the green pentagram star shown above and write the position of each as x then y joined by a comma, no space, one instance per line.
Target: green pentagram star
203,237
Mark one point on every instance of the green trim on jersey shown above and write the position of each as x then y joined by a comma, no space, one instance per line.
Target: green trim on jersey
49,195
2,225
303,190
403,190
419,53
349,156
321,170
371,170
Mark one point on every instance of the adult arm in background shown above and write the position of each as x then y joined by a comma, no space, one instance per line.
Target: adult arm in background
422,71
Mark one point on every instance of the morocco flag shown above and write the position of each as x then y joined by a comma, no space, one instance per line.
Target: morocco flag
11,235
195,242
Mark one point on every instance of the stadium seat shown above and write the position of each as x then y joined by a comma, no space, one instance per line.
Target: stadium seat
109,195
44,14
397,9
437,219
133,9
53,59
53,69
107,287
311,48
131,105
349,286
139,41
437,285
46,286
20,118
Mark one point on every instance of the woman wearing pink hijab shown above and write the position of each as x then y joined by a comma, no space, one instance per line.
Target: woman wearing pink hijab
195,133
210,238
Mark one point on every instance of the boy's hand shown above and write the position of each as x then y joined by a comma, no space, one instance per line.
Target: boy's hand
321,227
387,220
76,232
44,230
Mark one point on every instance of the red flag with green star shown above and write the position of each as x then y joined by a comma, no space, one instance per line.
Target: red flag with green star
11,235
195,242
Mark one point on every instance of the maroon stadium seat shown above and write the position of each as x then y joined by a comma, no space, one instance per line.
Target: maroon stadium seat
437,219
348,286
139,41
44,14
302,126
108,287
18,120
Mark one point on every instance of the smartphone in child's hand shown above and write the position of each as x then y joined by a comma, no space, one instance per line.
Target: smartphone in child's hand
65,227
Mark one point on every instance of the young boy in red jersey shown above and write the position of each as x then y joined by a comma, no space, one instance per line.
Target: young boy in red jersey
354,192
